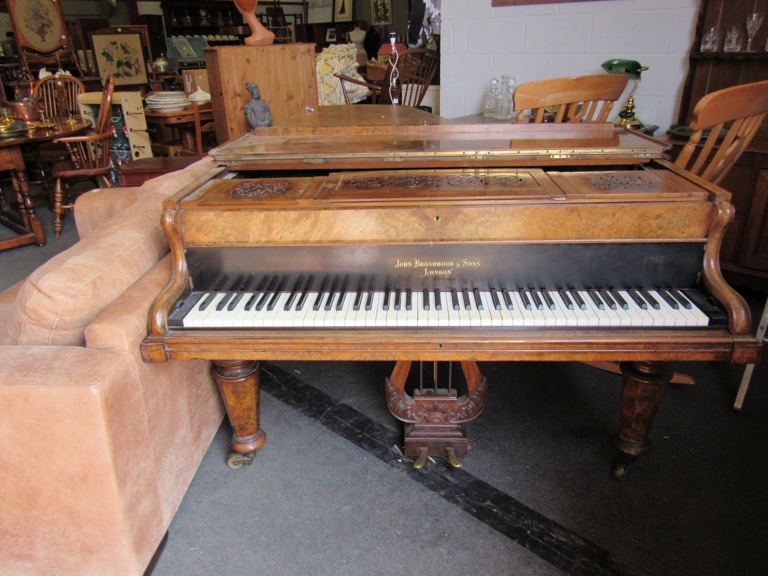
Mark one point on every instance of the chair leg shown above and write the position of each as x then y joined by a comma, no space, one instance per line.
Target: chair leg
58,207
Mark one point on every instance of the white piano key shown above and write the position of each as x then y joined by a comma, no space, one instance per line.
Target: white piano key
528,317
565,316
412,315
190,320
212,317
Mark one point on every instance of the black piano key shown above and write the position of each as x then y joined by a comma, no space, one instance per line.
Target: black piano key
358,299
566,299
609,301
467,303
548,302
455,299
576,297
438,301
262,301
680,298
342,294
536,300
596,299
369,301
294,292
332,294
218,287
524,298
642,304
276,294
240,293
385,300
650,299
667,297
495,299
397,299
230,293
408,300
320,295
508,300
478,300
305,293
255,296
426,299
619,299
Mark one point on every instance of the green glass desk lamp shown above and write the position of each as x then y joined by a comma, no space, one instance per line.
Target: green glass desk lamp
631,69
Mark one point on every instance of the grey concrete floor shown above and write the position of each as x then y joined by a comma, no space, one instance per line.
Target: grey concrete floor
535,496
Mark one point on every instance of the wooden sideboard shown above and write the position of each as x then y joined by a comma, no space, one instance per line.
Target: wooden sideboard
285,74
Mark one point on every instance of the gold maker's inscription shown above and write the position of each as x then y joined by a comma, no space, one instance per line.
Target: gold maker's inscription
440,268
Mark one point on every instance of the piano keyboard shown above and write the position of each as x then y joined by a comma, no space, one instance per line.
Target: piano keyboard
334,307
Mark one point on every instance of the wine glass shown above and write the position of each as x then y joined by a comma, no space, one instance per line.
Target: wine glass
754,21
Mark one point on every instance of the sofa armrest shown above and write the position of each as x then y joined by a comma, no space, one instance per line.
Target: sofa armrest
123,324
79,492
94,208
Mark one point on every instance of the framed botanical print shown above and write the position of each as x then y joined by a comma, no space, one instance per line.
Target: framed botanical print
342,10
381,12
121,56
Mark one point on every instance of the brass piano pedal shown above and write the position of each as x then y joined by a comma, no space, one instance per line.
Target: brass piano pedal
237,460
454,460
421,461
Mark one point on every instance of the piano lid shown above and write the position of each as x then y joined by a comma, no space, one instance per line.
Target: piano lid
386,145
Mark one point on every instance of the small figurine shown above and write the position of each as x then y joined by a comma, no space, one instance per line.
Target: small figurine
257,112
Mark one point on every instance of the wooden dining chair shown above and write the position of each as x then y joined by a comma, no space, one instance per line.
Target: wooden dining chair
89,157
58,96
412,75
575,99
724,123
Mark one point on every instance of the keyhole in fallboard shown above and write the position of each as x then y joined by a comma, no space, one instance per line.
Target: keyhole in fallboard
437,218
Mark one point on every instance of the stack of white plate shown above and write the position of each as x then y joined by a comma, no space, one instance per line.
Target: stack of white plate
167,101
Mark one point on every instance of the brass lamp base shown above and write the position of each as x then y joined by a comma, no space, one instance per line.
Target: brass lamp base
627,118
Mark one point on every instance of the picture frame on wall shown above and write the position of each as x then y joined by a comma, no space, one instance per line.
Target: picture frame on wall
381,12
342,10
120,55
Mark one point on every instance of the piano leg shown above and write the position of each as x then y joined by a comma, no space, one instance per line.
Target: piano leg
644,387
238,382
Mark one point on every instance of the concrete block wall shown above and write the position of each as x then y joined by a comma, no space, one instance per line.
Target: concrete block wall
539,41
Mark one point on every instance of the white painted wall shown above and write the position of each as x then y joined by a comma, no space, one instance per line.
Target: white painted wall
535,42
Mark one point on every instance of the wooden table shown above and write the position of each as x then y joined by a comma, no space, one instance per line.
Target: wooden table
184,122
23,220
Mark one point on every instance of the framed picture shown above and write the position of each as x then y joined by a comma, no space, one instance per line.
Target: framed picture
120,55
38,24
330,35
342,10
381,12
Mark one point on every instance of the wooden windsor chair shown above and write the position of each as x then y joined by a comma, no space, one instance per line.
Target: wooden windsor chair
89,157
58,96
724,123
575,99
415,70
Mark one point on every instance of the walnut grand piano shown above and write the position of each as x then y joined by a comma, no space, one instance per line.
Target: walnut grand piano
466,243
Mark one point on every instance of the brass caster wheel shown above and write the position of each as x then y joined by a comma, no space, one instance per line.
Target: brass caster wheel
622,467
236,460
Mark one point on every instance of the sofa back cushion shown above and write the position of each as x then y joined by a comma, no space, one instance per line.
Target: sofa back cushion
60,299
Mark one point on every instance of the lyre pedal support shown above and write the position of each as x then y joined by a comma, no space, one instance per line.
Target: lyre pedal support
435,418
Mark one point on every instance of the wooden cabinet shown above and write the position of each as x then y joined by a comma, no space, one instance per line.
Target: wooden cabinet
744,256
285,74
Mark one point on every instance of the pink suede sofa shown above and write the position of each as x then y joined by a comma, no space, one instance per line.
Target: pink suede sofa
97,449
